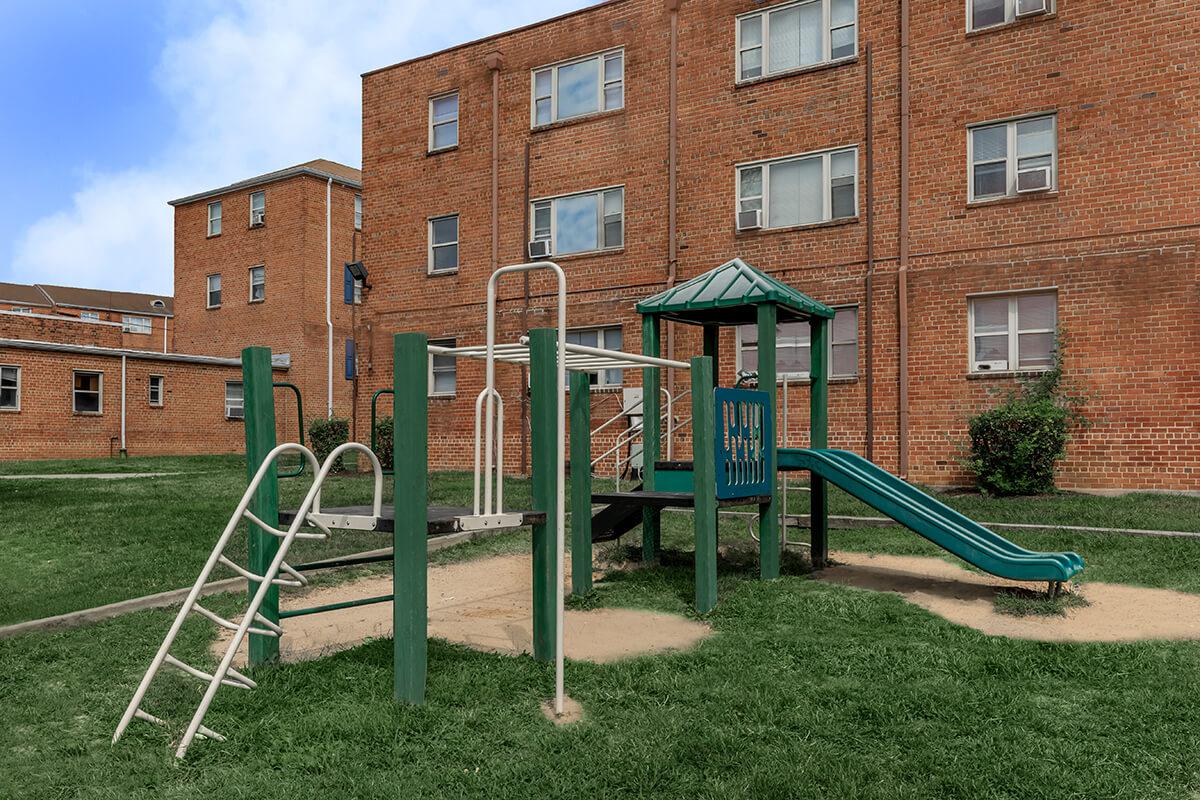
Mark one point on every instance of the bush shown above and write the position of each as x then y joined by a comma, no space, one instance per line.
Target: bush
1014,446
326,434
383,441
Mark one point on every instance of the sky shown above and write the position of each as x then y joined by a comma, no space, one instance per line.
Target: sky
113,108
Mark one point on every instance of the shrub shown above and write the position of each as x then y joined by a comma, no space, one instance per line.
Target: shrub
383,441
1014,446
326,434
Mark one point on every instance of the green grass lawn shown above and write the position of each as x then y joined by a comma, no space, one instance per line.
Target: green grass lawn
807,690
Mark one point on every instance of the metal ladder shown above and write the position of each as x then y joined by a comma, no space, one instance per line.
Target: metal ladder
252,621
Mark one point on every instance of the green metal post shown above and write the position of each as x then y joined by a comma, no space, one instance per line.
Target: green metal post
651,436
768,513
581,483
410,498
259,419
705,476
819,438
543,425
712,349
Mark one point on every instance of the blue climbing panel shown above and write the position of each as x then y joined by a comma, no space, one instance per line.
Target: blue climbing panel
745,435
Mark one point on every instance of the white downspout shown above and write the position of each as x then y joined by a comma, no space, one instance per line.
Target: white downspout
328,290
123,448
165,319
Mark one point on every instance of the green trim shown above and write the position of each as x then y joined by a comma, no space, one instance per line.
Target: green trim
768,513
543,426
581,483
259,411
651,436
299,470
705,477
410,498
724,295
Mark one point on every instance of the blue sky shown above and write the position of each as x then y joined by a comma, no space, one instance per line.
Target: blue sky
114,108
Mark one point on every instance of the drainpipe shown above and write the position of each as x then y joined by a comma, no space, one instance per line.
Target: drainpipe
329,291
525,324
902,276
869,288
672,146
494,62
165,320
124,450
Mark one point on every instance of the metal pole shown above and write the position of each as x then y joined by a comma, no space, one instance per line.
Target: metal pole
581,484
258,402
410,498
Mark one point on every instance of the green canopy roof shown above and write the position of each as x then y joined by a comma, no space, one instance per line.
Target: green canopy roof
728,295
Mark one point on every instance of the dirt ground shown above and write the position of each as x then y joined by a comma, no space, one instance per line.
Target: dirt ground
485,604
1114,612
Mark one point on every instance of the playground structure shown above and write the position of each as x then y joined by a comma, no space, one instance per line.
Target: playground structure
735,461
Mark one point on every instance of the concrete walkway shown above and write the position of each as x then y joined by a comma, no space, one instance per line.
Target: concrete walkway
81,476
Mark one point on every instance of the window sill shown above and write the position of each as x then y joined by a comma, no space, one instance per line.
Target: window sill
87,413
443,397
211,308
833,223
212,236
439,151
256,302
562,123
155,405
806,381
255,227
1003,26
10,410
235,419
138,333
1008,373
1027,197
608,251
441,273
791,73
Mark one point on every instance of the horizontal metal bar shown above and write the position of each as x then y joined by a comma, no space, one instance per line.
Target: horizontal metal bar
350,561
366,601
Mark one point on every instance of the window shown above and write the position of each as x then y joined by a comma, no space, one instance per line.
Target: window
575,88
794,36
443,371
443,243
801,190
793,344
214,218
443,122
258,209
234,400
989,13
22,310
10,388
358,212
607,338
214,291
131,324
88,395
90,316
1011,158
581,223
1013,332
258,284
156,390
358,291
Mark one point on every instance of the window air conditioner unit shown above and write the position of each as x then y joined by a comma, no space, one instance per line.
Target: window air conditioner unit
1027,8
749,220
1033,180
257,218
991,366
538,249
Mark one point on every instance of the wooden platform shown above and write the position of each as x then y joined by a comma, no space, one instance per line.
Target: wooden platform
443,520
671,499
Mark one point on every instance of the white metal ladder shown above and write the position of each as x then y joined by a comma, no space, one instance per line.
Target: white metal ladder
252,621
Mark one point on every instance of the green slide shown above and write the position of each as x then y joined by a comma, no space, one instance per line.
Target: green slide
924,515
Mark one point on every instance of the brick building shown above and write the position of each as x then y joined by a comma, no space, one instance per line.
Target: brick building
962,179
146,320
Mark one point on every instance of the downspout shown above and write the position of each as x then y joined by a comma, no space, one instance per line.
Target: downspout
329,292
869,288
124,449
672,146
165,322
902,273
494,61
525,325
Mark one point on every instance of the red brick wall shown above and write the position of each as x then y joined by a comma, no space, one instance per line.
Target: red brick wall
1117,240
65,330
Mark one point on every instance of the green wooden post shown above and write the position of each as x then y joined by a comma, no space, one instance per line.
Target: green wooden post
705,477
581,483
543,424
651,436
819,438
768,513
259,410
410,496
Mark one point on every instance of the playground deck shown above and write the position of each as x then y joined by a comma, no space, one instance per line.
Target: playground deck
443,520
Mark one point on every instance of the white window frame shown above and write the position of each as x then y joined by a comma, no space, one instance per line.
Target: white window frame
358,212
214,218
803,376
261,194
21,310
262,282
1013,333
1011,159
443,342
1011,14
90,316
150,383
208,291
765,13
601,85
601,217
457,116
358,291
239,406
826,185
131,323
602,377
99,392
17,368
430,246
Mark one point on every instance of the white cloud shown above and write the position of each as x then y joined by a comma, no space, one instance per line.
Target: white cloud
253,87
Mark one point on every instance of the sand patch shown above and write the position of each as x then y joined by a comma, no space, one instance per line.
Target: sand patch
1115,612
485,604
572,711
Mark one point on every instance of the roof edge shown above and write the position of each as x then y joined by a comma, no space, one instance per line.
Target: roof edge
263,180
